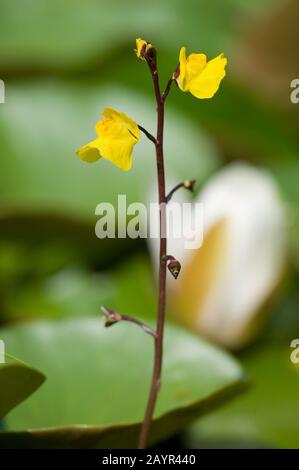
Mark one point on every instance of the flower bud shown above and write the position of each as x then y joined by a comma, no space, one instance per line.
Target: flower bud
189,184
111,316
174,267
142,48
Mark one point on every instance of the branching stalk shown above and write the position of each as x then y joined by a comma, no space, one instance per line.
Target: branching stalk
115,317
148,134
188,184
156,377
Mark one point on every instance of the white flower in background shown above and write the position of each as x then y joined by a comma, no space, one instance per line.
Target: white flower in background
224,285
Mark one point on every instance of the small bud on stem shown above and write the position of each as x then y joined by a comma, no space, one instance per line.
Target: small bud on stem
111,317
173,265
187,184
114,317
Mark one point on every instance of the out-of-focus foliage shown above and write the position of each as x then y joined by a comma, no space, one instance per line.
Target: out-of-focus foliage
67,292
17,382
84,364
56,34
266,415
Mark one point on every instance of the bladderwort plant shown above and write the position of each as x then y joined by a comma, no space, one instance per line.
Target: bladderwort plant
116,136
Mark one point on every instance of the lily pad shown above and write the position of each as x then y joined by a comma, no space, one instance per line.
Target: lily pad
98,382
17,382
67,292
267,415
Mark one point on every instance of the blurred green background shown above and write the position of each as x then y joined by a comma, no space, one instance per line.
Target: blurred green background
62,62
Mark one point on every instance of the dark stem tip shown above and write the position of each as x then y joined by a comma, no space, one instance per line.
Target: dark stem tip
189,184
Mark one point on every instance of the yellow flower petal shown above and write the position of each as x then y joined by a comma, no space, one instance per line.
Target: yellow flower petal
205,84
117,135
195,66
183,63
90,152
140,43
198,76
121,119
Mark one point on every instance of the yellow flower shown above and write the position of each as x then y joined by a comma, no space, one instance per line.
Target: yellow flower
142,47
199,76
117,135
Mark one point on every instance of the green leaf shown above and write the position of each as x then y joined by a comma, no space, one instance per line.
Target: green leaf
61,35
67,292
267,414
50,270
48,245
134,288
76,291
27,38
17,382
98,382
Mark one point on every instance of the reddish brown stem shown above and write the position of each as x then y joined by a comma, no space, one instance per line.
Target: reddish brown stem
167,89
156,377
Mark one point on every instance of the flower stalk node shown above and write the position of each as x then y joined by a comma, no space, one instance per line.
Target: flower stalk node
187,184
113,317
173,265
151,58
